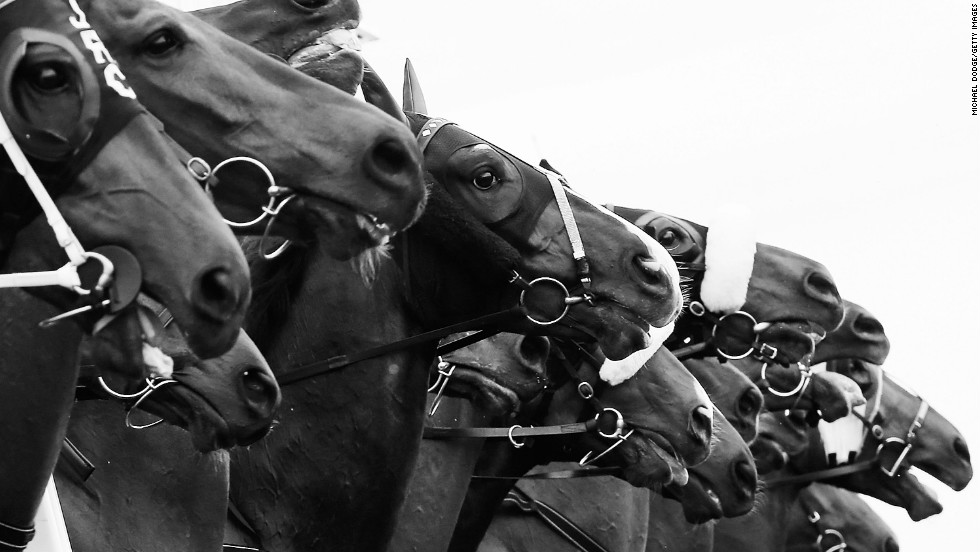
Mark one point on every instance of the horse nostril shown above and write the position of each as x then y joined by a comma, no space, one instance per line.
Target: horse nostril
216,294
391,164
750,403
961,450
700,427
891,545
535,350
819,285
260,390
743,472
868,327
650,270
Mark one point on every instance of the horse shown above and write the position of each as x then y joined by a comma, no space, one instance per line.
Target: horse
761,307
317,37
922,438
832,519
354,173
477,232
670,525
228,393
443,469
70,114
619,517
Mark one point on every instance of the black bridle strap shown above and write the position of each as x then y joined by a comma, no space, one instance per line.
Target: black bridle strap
320,367
822,474
556,474
561,524
74,460
514,432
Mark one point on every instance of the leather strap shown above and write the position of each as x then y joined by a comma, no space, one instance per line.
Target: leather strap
75,461
554,519
822,474
556,474
515,432
320,367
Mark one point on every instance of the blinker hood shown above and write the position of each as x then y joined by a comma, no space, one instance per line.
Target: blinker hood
517,226
56,32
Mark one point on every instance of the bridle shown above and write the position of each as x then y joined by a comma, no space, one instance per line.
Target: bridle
901,446
607,423
729,334
558,187
489,324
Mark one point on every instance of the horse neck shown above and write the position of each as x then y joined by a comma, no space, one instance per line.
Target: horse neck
38,368
669,531
485,495
101,513
440,480
350,437
765,528
442,287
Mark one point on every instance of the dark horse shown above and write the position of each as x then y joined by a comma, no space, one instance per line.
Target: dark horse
337,483
72,113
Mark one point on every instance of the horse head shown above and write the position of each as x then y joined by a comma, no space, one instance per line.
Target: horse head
114,177
625,283
498,374
743,291
782,434
314,36
355,173
832,518
860,336
661,436
725,483
223,402
735,395
896,430
934,445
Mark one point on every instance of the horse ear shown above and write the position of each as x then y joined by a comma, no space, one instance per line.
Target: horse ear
377,94
546,165
412,98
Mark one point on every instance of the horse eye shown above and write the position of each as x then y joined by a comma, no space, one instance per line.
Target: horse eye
669,239
161,42
485,180
48,77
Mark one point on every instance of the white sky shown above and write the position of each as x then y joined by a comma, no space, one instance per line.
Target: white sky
845,126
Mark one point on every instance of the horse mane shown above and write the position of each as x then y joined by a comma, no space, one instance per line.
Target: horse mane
274,284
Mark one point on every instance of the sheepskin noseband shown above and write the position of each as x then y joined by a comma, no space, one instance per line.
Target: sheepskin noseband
844,438
615,372
729,256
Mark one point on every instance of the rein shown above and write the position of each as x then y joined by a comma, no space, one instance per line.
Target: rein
554,519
